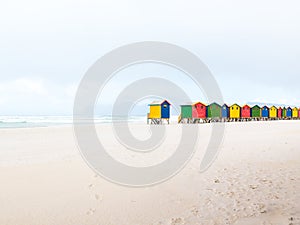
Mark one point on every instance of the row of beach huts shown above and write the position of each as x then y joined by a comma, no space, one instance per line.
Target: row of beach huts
200,113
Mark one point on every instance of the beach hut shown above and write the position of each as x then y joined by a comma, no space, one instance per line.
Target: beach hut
186,111
265,112
214,111
199,111
273,112
225,111
256,112
246,111
299,113
235,111
289,112
295,113
284,112
279,113
159,111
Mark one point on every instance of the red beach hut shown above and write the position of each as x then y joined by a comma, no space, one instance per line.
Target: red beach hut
299,113
246,111
279,112
199,110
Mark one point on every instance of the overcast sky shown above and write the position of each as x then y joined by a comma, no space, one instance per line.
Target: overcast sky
251,47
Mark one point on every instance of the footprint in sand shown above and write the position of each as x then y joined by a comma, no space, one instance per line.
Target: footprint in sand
177,221
195,211
98,197
90,212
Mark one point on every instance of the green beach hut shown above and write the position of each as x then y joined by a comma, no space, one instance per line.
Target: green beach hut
214,110
256,112
187,111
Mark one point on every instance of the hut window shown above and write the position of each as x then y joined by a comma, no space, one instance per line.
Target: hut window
165,106
237,108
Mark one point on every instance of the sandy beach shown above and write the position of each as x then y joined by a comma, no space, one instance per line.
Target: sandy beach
255,179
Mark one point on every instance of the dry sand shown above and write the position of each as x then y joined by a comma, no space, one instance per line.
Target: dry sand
255,180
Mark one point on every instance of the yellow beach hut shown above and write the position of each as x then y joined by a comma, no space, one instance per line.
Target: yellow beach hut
235,111
159,111
295,112
273,112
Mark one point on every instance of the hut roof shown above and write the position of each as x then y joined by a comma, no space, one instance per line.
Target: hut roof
159,102
236,104
201,103
247,106
187,104
192,104
214,103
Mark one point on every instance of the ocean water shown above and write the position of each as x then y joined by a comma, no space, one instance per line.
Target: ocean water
46,121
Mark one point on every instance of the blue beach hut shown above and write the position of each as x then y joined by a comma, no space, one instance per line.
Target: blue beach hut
225,111
265,112
289,112
165,110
